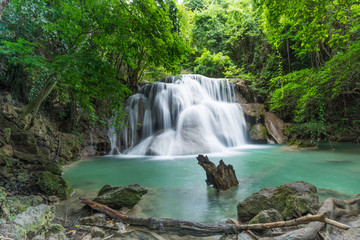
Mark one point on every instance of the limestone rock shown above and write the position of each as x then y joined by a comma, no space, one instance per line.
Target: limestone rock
265,216
21,203
8,150
243,93
25,142
298,143
97,218
255,111
26,157
291,200
258,133
276,127
97,232
4,205
117,197
29,223
53,184
53,168
70,145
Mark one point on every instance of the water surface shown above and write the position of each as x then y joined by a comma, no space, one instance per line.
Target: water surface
177,187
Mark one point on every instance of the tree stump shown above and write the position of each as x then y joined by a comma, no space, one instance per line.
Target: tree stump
221,177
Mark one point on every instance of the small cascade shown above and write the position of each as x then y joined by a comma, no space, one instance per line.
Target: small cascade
91,137
112,135
186,114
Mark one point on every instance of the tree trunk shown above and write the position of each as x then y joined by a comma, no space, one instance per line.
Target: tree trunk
33,106
221,177
3,4
181,227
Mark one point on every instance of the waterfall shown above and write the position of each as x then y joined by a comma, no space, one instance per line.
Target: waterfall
186,114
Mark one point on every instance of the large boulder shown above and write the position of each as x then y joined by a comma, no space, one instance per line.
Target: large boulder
253,112
29,223
118,197
276,127
53,184
258,133
291,200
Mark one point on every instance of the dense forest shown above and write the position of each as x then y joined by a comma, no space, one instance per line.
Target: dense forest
71,58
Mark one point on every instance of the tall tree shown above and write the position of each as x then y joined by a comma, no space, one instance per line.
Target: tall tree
98,50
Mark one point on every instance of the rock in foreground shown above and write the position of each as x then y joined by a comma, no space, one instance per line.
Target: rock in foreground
118,197
291,200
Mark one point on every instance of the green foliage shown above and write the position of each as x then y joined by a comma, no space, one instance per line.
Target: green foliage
323,27
95,52
213,65
311,98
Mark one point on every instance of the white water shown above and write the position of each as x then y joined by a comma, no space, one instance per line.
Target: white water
183,115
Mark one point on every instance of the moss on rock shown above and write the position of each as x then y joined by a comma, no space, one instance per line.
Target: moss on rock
53,184
258,133
291,200
298,143
117,197
4,205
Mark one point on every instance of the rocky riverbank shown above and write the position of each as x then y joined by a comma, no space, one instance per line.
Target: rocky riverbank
31,164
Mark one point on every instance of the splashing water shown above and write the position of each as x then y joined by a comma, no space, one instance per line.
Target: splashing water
183,115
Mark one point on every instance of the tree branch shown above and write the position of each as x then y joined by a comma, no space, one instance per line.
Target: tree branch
204,229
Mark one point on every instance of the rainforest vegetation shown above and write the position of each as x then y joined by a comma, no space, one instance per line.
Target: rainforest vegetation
76,57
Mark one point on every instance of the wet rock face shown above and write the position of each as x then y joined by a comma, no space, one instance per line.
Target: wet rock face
117,197
258,133
276,127
254,114
290,200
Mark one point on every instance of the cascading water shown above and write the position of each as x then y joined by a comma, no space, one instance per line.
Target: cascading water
186,114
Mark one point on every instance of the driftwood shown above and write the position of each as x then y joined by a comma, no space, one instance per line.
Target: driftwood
221,177
181,227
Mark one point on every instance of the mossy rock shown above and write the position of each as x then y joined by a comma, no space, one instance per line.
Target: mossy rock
53,184
4,205
118,197
30,223
53,168
298,143
25,141
258,133
265,216
23,176
70,145
19,204
290,200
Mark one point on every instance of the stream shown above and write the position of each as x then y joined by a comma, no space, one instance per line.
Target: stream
177,187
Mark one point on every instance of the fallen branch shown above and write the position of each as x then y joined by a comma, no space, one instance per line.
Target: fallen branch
181,227
331,207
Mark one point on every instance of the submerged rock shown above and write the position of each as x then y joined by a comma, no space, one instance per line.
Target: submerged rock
123,196
291,200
